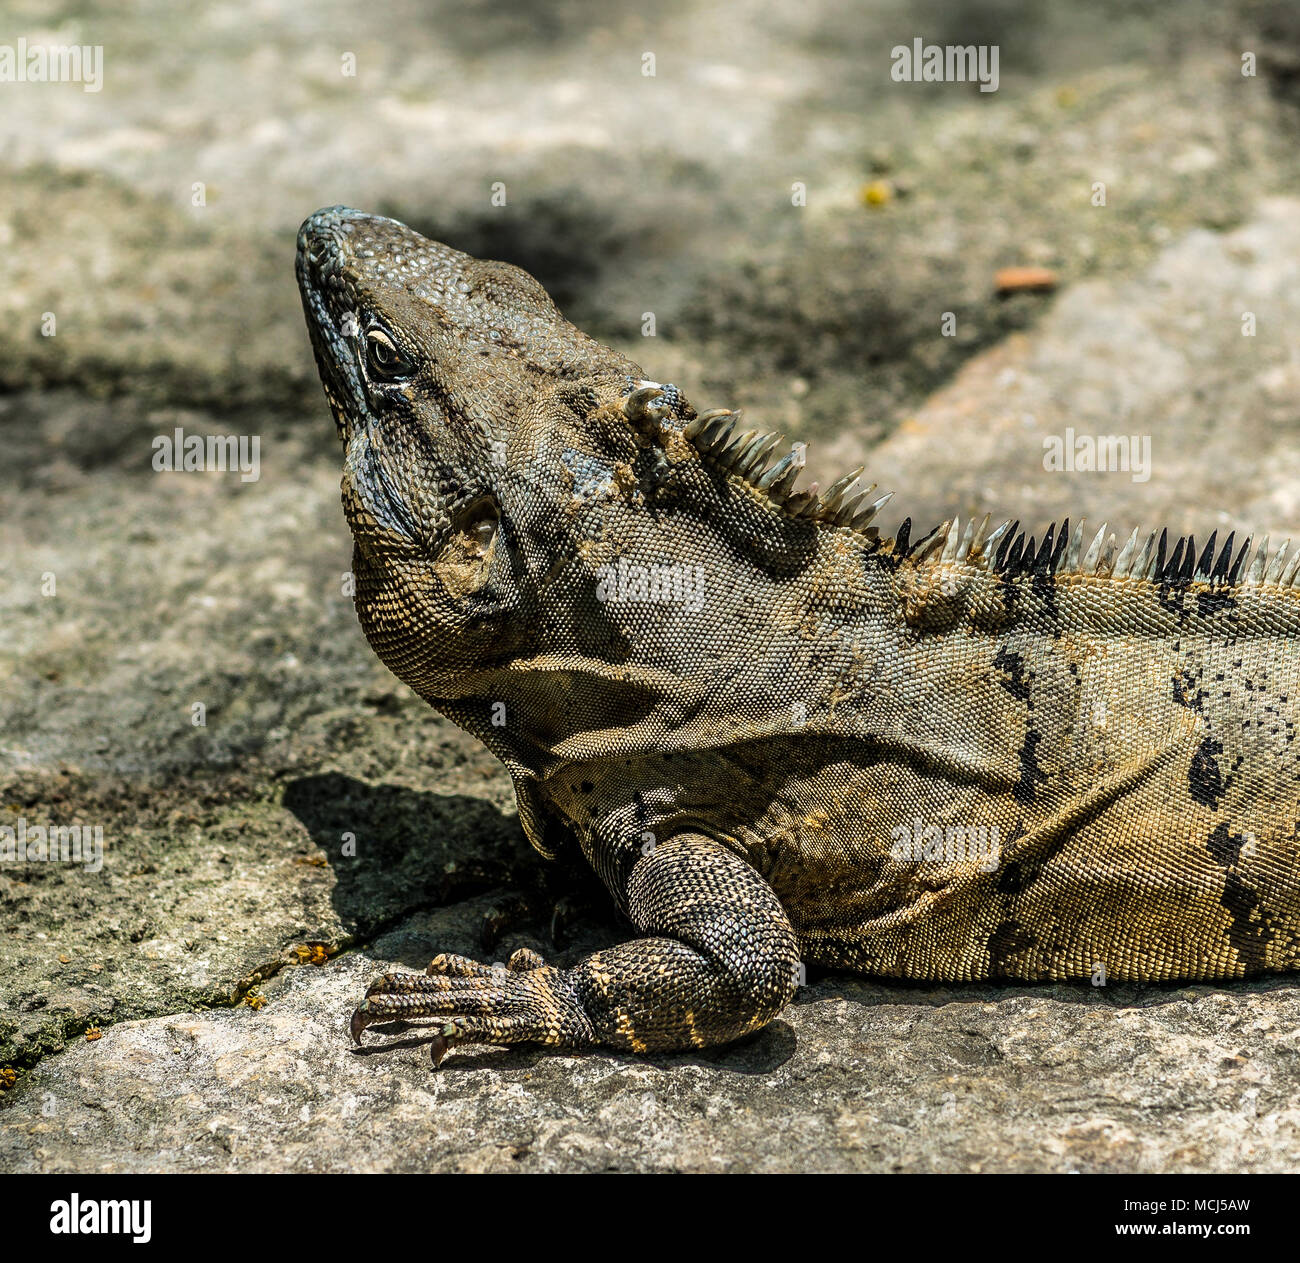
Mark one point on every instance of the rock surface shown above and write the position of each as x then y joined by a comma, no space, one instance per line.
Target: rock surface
180,666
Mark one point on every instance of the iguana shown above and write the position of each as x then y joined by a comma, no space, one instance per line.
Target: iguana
777,735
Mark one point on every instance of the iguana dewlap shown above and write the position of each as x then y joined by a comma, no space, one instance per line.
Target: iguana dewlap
776,735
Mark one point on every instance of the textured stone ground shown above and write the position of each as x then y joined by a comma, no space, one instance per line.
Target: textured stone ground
227,868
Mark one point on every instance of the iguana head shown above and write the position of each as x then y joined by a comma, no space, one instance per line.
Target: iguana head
427,357
558,554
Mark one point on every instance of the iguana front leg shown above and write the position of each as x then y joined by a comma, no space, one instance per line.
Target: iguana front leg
721,961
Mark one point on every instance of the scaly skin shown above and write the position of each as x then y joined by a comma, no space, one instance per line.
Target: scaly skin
777,736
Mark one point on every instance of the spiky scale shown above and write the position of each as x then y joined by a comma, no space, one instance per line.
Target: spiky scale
1093,555
788,466
951,541
1042,561
1255,574
754,455
963,549
1278,564
1014,555
867,514
1062,543
1075,551
717,433
731,453
1008,531
1205,566
702,421
1125,560
852,507
834,496
1106,565
1220,572
931,544
1236,565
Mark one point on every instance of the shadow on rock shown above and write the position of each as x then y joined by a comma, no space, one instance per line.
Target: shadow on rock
395,849
761,1053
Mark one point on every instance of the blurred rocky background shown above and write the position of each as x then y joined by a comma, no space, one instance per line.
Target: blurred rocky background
800,226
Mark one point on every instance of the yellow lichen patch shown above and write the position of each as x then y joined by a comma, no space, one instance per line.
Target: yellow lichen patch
93,1034
311,953
255,1001
876,193
8,1077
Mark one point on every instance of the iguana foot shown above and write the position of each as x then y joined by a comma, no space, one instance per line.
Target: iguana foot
523,1001
715,964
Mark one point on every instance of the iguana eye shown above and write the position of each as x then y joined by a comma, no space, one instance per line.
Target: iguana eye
383,360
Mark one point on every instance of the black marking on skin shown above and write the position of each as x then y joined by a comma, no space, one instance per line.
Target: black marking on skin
1225,847
1017,683
1208,604
1009,939
1031,775
1012,880
1172,598
876,558
1249,932
1204,780
1186,692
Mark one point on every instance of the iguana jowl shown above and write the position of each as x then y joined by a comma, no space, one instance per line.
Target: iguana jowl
776,735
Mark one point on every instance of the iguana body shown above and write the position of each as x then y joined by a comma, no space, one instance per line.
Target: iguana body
777,736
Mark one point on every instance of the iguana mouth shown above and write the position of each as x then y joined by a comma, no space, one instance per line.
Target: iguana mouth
328,300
